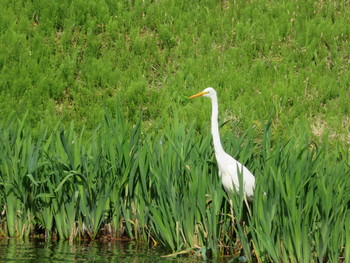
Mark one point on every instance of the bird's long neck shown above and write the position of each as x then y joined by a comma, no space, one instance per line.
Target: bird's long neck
215,126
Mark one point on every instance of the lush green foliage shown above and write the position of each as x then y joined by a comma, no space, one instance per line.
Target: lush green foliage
284,61
166,189
276,60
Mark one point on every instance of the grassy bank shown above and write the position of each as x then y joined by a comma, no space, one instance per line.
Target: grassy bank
165,190
69,169
268,59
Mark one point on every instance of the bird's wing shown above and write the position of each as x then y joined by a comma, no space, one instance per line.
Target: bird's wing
233,171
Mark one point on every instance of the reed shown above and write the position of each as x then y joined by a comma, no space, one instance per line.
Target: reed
164,188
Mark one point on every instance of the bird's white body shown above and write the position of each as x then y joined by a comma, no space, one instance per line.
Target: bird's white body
230,169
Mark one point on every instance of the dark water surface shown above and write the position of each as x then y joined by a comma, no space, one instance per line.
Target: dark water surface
13,250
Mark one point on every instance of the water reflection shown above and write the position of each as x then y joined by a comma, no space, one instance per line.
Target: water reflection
40,251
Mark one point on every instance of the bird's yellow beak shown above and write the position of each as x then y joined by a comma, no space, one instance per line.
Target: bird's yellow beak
198,95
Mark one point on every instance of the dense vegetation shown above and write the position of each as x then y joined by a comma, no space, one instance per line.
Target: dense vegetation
165,189
69,169
64,60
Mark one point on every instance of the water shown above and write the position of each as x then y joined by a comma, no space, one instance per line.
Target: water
13,250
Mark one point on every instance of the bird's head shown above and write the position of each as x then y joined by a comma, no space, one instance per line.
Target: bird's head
208,92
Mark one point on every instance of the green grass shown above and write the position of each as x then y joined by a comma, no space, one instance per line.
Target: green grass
165,189
70,169
268,59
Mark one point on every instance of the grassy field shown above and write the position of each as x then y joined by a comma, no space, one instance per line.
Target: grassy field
70,169
268,60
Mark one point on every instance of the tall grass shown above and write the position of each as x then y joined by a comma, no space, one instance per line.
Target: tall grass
164,188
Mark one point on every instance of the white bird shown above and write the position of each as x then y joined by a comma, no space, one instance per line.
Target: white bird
229,168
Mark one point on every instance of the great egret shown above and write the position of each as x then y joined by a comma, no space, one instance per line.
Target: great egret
229,168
